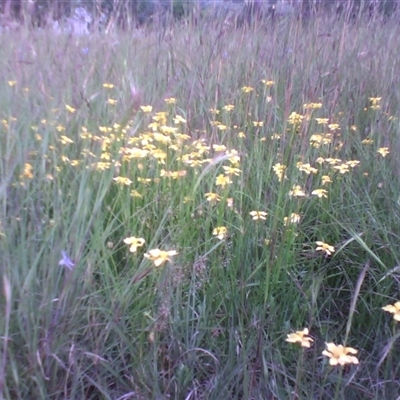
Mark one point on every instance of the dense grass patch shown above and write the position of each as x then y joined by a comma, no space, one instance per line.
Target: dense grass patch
176,202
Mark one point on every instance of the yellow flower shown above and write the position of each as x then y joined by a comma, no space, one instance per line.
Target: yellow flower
297,191
179,120
326,179
12,83
108,85
375,102
70,109
340,355
258,215
293,219
328,249
159,256
320,193
112,102
295,118
367,141
279,170
212,197
300,337
134,242
223,180
219,147
383,151
220,232
393,309
322,121
307,168
268,83
333,127
231,170
122,180
228,107
258,123
146,109
241,135
247,89
171,100
312,106
342,168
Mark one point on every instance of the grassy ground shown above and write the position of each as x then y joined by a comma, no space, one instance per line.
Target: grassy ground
259,143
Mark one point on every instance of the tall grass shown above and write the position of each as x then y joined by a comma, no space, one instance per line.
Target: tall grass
85,318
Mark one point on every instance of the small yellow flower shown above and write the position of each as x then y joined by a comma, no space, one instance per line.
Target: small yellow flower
220,232
171,100
12,83
367,141
326,179
112,102
279,170
146,109
340,355
70,109
320,193
241,135
268,83
312,106
229,202
231,170
300,337
293,219
342,168
393,309
122,180
159,256
134,242
219,147
247,89
295,119
179,120
375,102
228,107
258,215
322,121
383,151
307,168
322,246
258,123
297,191
223,180
108,85
212,197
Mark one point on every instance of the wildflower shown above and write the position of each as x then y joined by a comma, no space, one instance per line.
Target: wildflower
219,147
66,261
340,355
375,102
112,102
171,100
146,109
233,157
267,83
223,180
228,107
326,179
220,232
12,83
320,193
122,180
65,139
352,163
279,170
179,120
295,119
312,106
135,193
300,337
231,170
367,141
212,197
333,127
70,109
241,135
28,172
293,219
322,121
134,242
258,215
297,191
307,168
159,256
393,309
108,85
229,202
258,123
322,246
383,151
342,168
247,89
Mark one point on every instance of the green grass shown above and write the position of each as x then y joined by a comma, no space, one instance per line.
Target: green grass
210,323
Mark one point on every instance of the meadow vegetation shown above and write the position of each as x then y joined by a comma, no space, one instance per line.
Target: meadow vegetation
197,211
